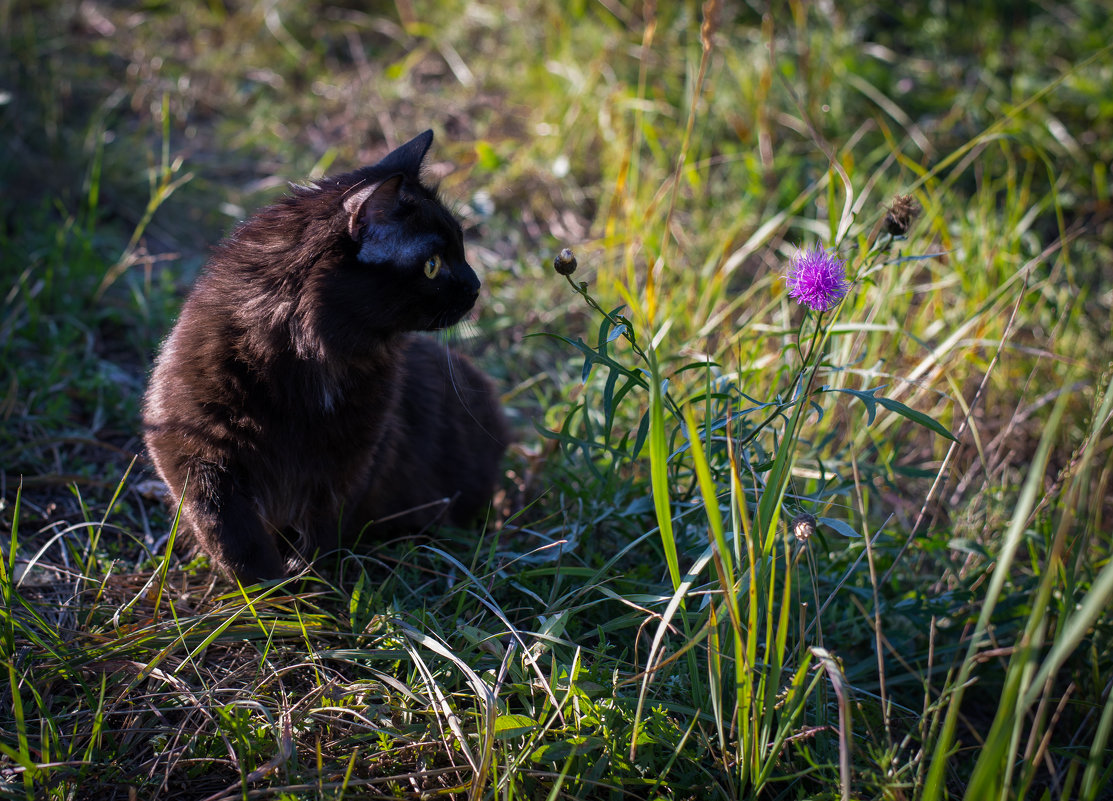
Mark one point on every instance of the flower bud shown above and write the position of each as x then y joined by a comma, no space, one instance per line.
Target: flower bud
565,262
803,526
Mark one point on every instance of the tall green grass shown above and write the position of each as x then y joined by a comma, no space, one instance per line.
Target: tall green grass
750,551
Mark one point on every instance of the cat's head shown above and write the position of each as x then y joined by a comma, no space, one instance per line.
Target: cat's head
404,263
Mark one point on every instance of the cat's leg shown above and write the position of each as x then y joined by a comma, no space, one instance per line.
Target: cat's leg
225,523
455,432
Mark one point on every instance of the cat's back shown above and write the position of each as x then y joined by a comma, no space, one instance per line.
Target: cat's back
199,367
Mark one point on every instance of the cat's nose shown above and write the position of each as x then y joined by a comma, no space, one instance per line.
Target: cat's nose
473,284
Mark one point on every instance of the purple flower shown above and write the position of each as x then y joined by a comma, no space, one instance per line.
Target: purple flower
817,279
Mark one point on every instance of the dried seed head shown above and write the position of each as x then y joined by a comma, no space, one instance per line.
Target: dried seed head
565,262
803,526
901,214
711,11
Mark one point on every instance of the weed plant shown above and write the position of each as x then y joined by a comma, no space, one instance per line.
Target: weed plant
746,547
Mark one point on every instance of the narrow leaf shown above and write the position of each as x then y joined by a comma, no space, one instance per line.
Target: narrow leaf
868,397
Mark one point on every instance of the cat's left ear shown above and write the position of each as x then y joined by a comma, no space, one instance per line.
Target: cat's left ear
407,158
371,204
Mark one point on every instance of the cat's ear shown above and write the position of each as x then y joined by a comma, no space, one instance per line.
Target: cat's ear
407,158
371,204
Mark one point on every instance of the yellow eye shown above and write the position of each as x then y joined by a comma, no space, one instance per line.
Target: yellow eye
432,266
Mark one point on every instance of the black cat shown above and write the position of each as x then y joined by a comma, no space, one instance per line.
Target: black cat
290,405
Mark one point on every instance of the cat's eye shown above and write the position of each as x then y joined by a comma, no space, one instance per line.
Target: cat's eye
432,266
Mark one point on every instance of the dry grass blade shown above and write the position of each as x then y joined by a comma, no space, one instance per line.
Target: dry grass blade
842,693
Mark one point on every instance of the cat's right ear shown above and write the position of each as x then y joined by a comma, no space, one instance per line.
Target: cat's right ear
407,158
371,204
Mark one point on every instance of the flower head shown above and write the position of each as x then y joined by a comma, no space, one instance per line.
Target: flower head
565,262
817,279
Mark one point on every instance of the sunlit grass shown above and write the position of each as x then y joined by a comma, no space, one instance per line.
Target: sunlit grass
747,549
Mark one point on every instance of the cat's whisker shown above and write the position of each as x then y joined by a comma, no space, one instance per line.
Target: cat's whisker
450,363
465,329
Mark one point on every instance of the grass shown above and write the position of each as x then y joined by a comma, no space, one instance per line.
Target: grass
651,614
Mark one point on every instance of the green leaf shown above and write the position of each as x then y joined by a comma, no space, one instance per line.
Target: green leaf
870,400
840,527
916,417
562,749
363,604
487,157
658,474
510,726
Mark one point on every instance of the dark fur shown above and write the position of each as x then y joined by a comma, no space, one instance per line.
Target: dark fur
291,405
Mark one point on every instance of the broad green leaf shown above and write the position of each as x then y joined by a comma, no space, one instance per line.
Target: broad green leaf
562,749
510,726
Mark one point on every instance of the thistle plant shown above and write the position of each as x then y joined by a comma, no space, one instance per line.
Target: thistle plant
756,528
